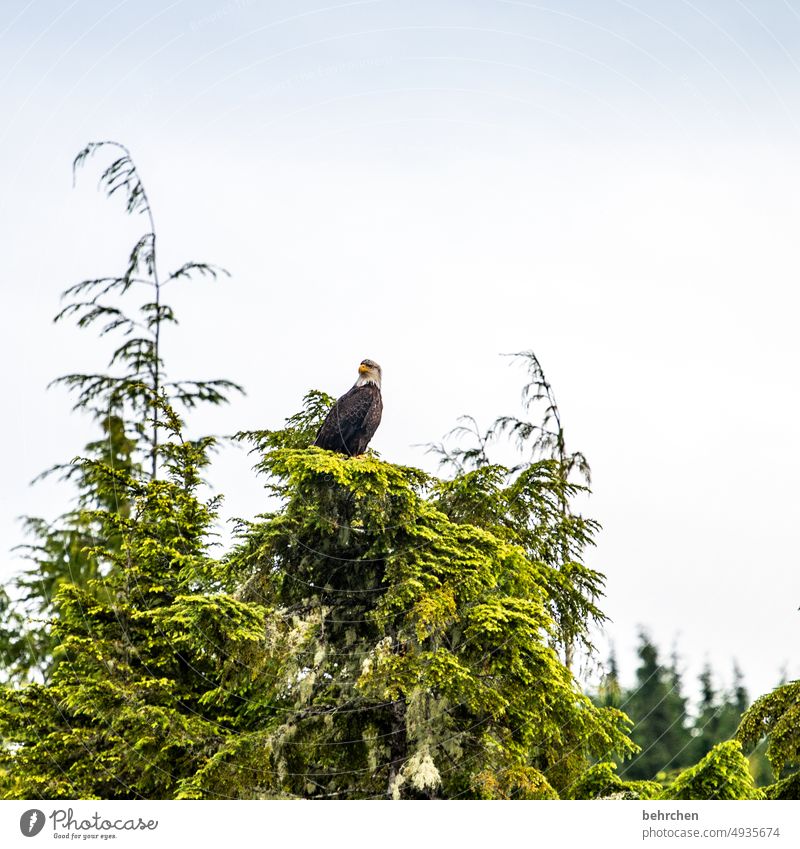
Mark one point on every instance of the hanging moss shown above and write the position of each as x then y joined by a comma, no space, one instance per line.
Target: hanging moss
426,664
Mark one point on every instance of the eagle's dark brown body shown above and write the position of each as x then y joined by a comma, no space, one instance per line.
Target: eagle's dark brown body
352,421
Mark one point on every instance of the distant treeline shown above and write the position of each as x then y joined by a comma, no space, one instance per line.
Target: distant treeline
670,734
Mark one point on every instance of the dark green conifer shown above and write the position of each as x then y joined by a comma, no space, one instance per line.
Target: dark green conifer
658,710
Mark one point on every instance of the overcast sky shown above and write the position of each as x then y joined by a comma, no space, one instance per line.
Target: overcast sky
430,184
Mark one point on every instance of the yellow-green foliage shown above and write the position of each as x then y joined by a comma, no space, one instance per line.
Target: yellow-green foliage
722,774
786,788
776,716
158,663
601,781
427,645
381,633
513,783
373,636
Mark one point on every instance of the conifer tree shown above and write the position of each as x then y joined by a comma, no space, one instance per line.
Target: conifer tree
601,781
60,552
124,401
158,662
707,725
610,691
380,632
719,712
776,716
658,710
722,774
418,610
15,646
363,640
574,589
134,392
739,698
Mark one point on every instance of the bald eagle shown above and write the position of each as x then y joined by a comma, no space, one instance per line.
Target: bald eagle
354,418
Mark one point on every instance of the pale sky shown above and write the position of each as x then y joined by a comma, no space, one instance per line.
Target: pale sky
430,184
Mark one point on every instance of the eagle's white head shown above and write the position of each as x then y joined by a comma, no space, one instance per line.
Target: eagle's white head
369,372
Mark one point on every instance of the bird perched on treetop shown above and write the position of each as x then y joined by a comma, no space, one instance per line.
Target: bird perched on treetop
354,418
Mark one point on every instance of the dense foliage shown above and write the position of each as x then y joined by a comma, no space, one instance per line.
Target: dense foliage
722,774
776,716
374,645
377,632
154,657
672,738
423,620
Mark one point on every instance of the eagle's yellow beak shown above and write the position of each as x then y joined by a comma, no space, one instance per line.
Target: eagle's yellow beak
362,369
